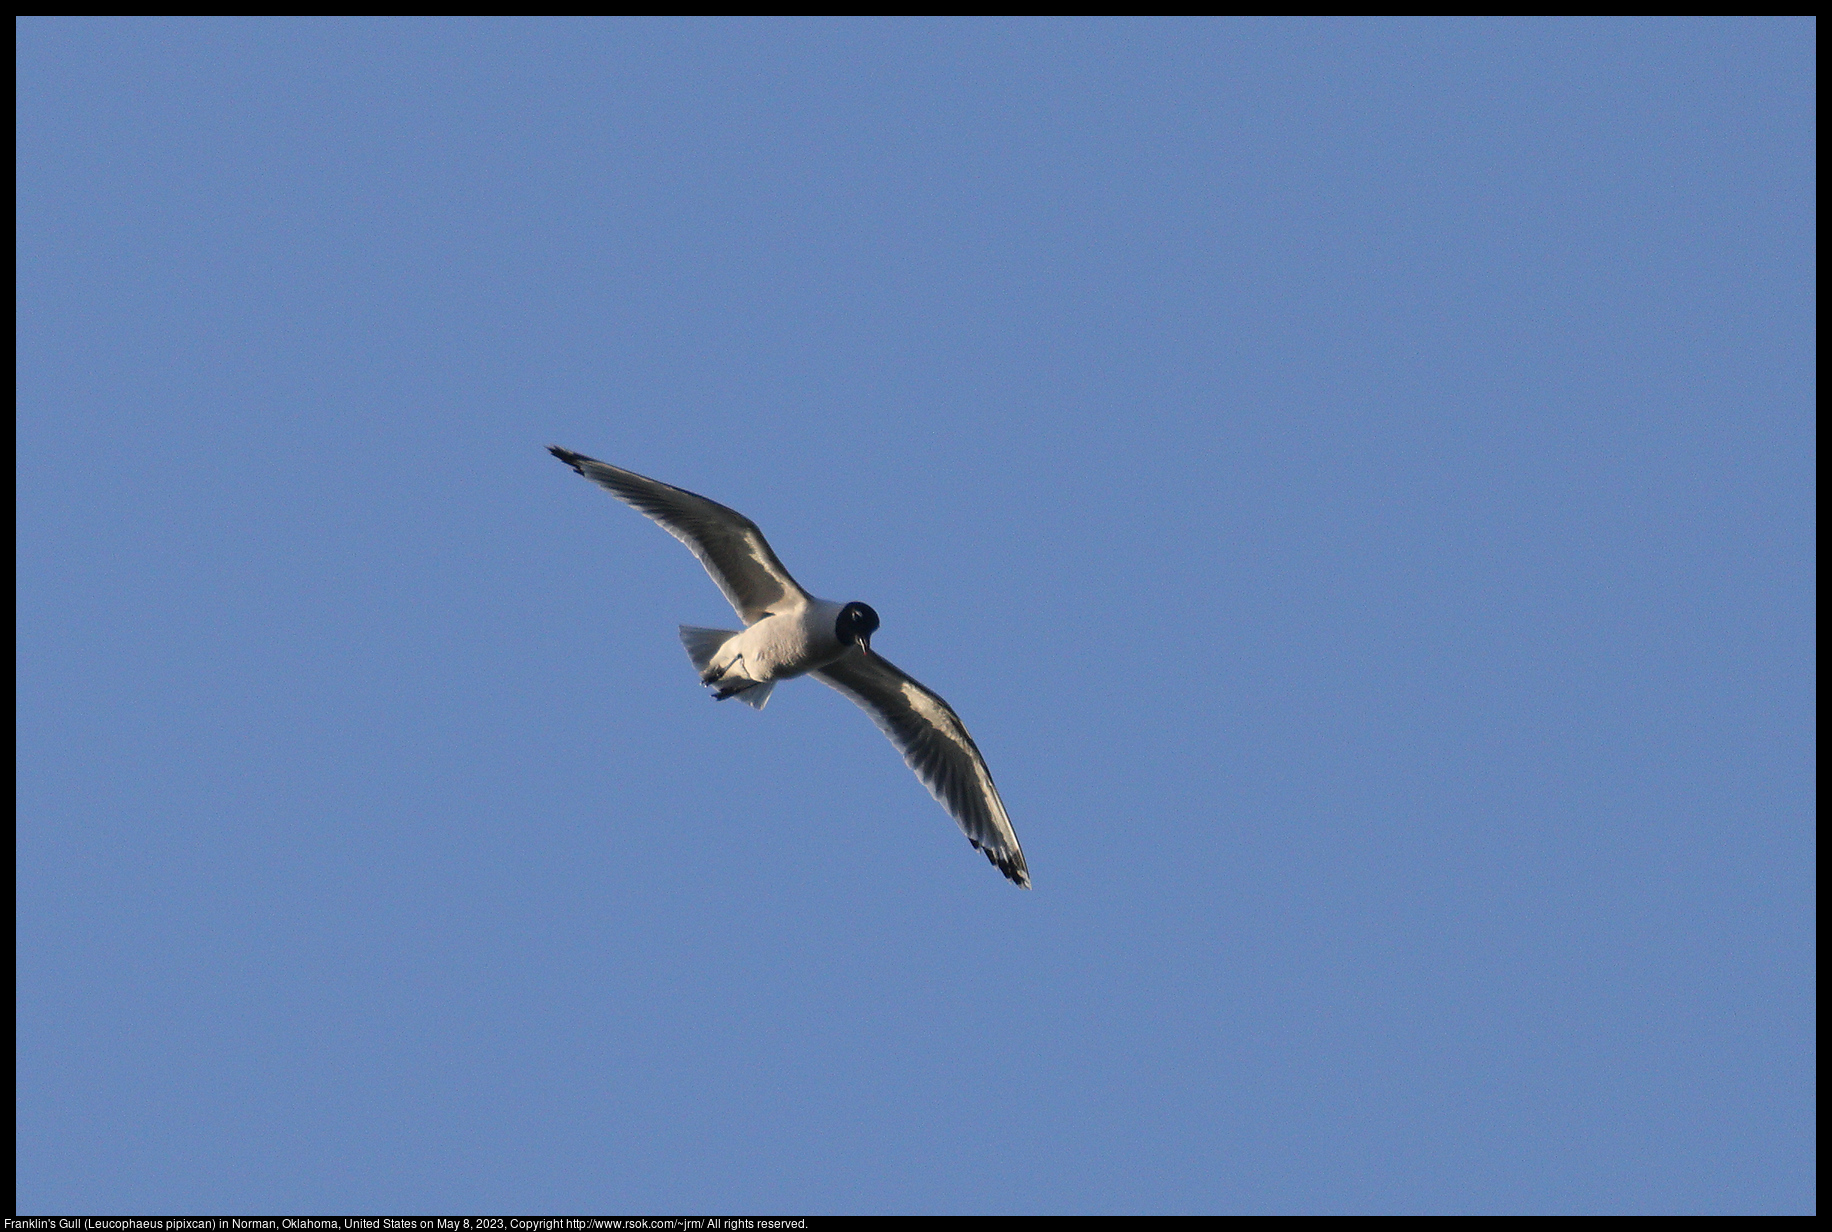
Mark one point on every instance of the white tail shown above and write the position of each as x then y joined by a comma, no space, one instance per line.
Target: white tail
703,646
756,695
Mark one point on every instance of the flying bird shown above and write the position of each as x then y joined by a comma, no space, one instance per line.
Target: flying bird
788,633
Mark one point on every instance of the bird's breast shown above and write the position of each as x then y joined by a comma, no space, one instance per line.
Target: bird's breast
791,644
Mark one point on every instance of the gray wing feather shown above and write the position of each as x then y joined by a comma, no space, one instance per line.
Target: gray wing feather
935,744
729,544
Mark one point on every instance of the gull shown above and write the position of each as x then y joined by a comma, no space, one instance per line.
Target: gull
788,633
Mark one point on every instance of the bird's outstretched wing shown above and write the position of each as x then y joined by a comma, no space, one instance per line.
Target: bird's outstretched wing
935,743
729,544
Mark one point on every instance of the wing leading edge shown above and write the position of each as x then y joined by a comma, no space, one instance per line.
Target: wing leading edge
935,744
734,551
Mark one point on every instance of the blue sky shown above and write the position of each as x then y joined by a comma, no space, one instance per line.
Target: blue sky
1355,480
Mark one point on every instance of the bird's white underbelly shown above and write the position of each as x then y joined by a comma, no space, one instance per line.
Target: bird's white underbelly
791,644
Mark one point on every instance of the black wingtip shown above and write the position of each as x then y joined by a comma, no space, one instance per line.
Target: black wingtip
1014,869
569,457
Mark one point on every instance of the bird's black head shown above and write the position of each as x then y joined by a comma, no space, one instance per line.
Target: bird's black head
855,626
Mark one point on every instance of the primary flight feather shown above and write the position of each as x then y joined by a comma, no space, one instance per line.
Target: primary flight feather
788,632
